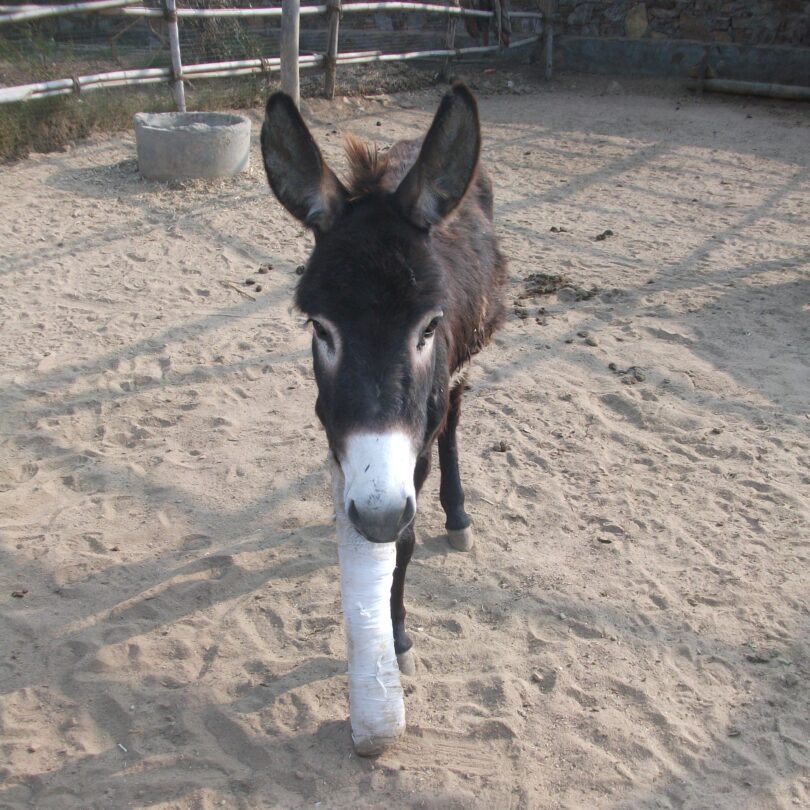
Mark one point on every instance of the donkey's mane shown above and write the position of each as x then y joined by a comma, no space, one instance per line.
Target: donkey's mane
367,167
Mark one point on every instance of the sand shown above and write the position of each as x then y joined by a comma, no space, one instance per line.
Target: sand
632,628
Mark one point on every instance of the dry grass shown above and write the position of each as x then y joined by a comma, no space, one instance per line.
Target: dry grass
50,124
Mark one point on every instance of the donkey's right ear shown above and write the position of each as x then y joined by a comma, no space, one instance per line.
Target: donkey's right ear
303,183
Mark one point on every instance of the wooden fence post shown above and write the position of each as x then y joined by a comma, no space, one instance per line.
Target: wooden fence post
290,60
170,15
290,20
549,12
452,22
333,13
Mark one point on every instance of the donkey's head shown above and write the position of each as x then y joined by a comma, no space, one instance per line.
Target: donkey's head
374,292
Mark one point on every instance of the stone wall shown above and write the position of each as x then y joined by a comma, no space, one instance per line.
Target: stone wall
751,22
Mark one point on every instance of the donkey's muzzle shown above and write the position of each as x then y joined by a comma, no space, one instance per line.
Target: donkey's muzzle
379,496
382,525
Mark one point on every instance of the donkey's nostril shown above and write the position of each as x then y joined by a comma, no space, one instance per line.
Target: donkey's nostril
382,525
407,513
354,515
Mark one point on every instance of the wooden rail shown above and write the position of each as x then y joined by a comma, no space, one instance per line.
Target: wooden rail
288,63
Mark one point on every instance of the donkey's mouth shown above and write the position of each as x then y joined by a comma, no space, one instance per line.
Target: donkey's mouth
378,495
382,526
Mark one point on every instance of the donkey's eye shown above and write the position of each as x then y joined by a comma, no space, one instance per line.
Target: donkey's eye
428,331
321,332
431,328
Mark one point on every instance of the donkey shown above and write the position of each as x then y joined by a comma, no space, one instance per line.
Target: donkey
402,288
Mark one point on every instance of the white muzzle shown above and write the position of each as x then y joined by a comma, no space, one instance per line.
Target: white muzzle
378,496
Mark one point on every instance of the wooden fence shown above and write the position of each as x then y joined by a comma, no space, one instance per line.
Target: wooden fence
288,63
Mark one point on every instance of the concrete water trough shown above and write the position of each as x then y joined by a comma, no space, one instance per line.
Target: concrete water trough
188,145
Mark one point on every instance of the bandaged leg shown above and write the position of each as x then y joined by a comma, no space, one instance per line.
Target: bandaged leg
376,704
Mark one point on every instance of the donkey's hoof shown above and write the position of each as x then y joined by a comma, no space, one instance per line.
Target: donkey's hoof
372,746
407,663
461,539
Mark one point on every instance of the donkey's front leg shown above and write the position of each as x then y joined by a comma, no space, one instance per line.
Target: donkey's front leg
402,641
459,532
405,544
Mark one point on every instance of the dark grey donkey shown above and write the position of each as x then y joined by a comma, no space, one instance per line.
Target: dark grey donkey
402,289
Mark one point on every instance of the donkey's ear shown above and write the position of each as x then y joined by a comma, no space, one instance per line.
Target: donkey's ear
303,183
446,164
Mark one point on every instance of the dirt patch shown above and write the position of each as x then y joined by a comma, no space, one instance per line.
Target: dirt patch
631,627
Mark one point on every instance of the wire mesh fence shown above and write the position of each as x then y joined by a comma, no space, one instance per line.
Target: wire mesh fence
116,39
53,47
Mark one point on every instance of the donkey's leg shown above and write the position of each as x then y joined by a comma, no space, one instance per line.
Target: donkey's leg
405,544
402,641
451,494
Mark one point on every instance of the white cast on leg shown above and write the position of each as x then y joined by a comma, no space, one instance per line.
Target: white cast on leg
376,704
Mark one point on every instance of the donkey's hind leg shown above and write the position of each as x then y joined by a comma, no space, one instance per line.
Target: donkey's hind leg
459,532
405,544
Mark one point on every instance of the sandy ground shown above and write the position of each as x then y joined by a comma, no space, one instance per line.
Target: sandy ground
632,629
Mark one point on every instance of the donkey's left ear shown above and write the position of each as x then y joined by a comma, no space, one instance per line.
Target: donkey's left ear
296,170
446,165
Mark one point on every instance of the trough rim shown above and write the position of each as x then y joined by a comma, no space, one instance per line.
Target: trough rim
180,121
